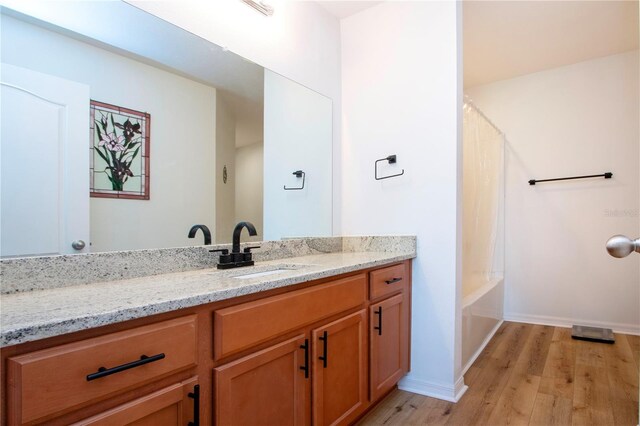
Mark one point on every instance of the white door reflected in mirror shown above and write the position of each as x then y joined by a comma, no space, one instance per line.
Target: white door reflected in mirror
44,184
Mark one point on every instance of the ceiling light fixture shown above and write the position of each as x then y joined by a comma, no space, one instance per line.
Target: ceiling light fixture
261,6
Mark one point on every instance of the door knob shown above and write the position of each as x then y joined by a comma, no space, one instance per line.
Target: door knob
621,246
78,245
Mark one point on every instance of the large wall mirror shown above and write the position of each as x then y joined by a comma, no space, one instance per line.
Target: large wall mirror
226,136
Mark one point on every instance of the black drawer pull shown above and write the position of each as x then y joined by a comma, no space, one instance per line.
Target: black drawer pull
379,327
324,356
103,372
393,280
196,406
305,367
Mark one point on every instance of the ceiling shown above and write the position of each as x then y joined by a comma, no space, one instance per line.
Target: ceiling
505,39
155,42
343,9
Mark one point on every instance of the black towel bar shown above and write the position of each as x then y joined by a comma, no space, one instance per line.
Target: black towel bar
607,175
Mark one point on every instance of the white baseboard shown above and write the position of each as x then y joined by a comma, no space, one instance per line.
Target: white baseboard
568,322
482,346
461,388
444,391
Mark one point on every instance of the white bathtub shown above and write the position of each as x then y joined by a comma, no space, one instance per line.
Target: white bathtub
482,313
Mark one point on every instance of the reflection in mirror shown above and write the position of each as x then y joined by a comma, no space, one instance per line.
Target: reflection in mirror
211,129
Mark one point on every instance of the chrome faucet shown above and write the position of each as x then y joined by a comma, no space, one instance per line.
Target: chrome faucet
236,259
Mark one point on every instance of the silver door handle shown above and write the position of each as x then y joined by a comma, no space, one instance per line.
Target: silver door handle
621,246
78,245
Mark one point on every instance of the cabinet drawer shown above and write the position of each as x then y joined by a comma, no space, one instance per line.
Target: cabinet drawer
387,280
169,406
242,326
59,379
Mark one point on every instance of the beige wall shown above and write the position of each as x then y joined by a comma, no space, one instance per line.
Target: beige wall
225,156
249,187
182,136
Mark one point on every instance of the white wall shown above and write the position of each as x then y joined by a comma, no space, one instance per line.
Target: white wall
249,187
402,95
575,120
225,156
301,41
297,136
182,135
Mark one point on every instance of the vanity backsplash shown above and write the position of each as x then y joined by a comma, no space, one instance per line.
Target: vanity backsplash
46,272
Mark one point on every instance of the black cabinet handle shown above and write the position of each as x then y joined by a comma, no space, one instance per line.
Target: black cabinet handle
103,372
305,367
393,280
379,327
196,406
324,356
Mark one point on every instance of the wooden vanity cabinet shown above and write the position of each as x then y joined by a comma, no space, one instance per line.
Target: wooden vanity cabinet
351,362
310,354
48,382
274,386
328,361
340,370
243,326
389,328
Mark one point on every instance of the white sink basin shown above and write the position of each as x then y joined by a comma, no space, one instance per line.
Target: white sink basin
261,274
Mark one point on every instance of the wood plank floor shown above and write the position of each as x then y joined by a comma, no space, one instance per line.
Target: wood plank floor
533,375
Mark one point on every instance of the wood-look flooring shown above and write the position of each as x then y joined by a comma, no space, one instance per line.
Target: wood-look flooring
533,375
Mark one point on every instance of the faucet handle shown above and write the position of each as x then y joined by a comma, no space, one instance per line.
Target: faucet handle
247,256
222,251
225,257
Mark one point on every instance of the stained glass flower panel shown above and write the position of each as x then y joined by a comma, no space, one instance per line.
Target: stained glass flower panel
119,152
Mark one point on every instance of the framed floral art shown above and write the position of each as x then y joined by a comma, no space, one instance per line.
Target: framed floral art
119,152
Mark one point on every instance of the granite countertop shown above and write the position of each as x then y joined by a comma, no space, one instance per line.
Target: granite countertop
39,314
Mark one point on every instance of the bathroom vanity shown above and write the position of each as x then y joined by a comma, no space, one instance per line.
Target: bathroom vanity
315,339
139,331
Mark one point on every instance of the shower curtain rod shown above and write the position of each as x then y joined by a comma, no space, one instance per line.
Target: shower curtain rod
468,101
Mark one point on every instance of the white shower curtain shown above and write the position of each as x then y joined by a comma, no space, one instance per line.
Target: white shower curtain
483,201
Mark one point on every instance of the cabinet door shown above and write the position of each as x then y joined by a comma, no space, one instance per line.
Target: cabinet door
340,370
389,342
173,405
268,387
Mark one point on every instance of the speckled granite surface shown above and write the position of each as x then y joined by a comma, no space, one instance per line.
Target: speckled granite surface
33,315
39,273
385,244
